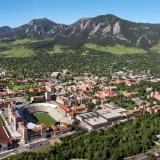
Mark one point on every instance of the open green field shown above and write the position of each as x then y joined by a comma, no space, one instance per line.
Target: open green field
156,48
26,41
21,41
29,41
58,49
116,49
128,106
3,45
17,53
61,49
44,118
22,87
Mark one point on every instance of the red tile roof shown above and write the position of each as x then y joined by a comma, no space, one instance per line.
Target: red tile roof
71,114
157,96
79,108
65,107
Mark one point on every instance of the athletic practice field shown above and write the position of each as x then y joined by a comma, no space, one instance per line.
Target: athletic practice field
44,118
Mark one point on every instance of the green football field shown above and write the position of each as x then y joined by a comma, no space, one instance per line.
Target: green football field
44,118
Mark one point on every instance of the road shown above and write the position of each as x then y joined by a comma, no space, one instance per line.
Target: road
6,154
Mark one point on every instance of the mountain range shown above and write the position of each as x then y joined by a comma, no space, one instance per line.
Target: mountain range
104,29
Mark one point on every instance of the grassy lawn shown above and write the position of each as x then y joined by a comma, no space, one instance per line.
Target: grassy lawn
116,49
21,41
17,53
29,41
58,49
4,45
23,87
44,118
129,106
61,49
26,41
156,48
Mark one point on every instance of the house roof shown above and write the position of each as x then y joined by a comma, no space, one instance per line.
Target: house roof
65,107
81,107
71,113
157,95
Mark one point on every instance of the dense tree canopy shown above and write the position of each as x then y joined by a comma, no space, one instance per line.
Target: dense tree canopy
80,60
115,143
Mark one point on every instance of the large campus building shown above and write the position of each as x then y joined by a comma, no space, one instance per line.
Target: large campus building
111,113
103,117
91,120
22,120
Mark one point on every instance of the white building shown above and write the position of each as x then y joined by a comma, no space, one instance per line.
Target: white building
91,121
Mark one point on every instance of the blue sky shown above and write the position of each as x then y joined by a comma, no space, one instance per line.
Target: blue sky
18,12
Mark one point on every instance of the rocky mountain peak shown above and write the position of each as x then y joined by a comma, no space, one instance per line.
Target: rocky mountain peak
41,21
103,29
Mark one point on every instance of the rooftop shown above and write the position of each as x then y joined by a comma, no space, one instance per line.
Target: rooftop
31,125
92,118
111,112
